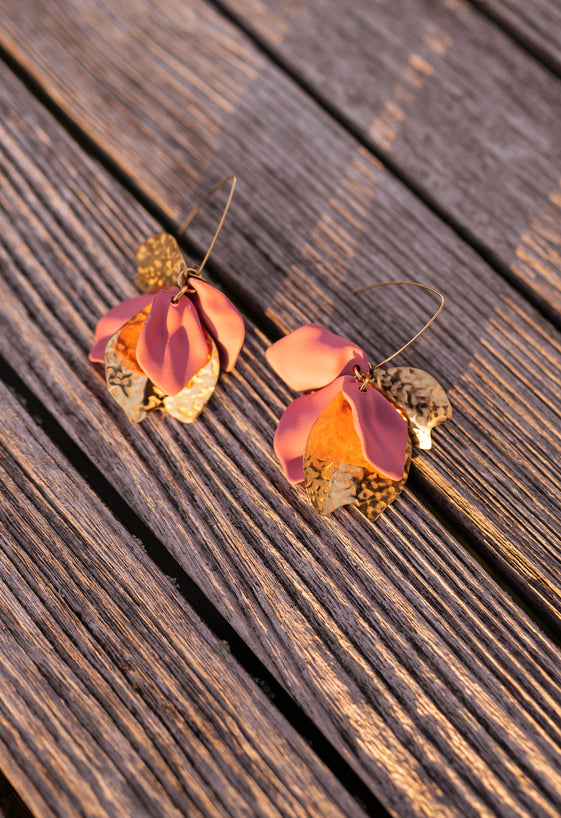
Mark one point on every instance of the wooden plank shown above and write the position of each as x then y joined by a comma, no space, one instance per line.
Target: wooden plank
462,112
317,215
535,24
425,676
115,698
166,89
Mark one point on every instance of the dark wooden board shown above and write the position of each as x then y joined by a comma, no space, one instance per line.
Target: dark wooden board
535,24
425,676
466,115
316,215
115,698
463,113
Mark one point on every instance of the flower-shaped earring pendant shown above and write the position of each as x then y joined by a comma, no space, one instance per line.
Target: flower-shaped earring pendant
351,439
164,349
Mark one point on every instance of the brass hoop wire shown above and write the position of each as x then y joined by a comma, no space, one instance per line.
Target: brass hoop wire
197,270
426,326
198,207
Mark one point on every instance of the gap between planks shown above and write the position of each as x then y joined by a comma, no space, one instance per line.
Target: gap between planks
252,468
292,305
152,206
191,593
507,17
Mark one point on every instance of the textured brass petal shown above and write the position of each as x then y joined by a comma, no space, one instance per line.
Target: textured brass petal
159,262
187,405
137,395
375,491
336,472
419,397
128,386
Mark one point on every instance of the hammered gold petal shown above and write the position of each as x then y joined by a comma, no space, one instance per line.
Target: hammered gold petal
126,383
418,396
336,472
159,263
187,405
375,492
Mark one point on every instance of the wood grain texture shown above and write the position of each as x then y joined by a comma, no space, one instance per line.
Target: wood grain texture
440,693
165,124
171,90
536,24
316,215
115,698
461,110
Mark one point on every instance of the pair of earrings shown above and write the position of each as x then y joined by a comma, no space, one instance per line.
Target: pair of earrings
350,439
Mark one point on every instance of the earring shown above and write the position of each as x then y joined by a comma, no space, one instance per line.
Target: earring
163,349
351,439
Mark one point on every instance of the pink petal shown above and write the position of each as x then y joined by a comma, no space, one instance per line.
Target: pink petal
171,346
296,424
380,427
221,319
312,356
113,320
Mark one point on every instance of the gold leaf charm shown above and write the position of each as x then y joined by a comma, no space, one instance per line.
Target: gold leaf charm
126,381
336,472
159,262
135,392
188,404
418,396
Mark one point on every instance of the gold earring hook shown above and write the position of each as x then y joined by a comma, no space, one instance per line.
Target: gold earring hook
426,326
196,271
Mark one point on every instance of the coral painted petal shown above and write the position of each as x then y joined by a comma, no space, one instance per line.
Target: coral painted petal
171,346
113,320
295,425
312,356
380,427
221,319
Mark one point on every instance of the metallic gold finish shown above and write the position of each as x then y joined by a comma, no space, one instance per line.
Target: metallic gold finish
418,396
130,387
233,179
159,262
138,396
423,329
375,492
187,405
335,470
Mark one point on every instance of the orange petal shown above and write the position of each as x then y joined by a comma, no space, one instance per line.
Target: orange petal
128,339
334,436
295,424
336,471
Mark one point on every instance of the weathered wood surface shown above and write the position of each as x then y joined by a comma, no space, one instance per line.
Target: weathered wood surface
535,24
316,215
468,118
115,698
465,116
424,675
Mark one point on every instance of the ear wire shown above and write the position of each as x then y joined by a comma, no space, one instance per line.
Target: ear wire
198,207
196,271
426,326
